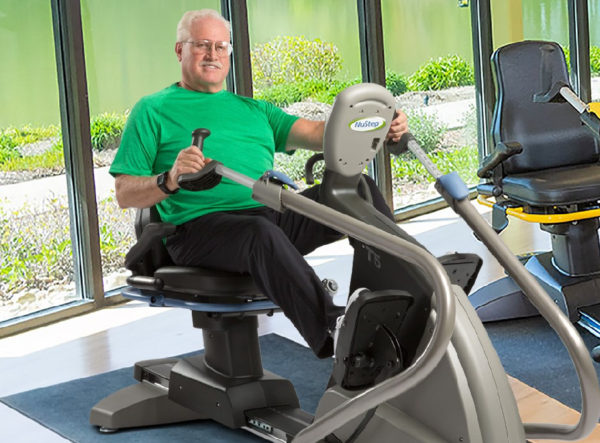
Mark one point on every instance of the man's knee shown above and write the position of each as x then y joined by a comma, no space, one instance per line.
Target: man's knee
263,234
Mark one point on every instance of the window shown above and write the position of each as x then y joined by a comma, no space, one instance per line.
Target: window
428,59
36,265
304,52
129,49
594,17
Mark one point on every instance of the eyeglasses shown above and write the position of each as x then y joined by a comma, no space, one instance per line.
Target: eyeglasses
205,46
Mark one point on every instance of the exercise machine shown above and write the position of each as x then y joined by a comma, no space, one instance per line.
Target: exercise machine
544,169
413,362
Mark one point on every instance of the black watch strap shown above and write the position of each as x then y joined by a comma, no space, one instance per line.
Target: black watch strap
161,182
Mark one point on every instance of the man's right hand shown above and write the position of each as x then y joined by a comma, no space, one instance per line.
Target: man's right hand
189,160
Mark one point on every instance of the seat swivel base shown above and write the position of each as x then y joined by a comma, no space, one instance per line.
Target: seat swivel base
503,299
176,390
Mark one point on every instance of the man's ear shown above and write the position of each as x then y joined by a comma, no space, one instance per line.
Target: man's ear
178,49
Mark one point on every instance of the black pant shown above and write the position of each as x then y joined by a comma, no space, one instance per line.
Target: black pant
270,247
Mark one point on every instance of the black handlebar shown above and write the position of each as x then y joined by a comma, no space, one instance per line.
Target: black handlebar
401,146
501,153
198,137
206,177
308,167
550,92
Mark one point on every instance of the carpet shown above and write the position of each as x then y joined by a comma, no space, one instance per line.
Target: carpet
532,352
64,408
528,348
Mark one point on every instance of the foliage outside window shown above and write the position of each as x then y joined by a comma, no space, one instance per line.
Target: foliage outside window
36,269
300,76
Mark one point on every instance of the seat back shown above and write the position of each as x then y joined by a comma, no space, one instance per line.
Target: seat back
153,251
551,134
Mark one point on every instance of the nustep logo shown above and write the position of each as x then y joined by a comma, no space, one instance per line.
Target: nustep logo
367,124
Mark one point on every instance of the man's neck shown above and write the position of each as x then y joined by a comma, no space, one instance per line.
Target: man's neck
208,90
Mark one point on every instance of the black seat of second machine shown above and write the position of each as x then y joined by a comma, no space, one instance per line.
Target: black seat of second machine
545,163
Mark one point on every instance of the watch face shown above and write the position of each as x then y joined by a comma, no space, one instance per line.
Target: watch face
161,181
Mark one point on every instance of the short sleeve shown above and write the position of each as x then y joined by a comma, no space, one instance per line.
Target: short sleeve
139,142
281,123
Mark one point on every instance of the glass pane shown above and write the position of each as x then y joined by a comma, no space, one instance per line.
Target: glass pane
129,48
594,12
429,68
36,265
304,52
546,20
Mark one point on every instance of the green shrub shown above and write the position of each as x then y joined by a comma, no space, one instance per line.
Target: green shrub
52,160
288,59
328,94
567,57
396,83
26,134
429,132
463,160
469,129
427,129
317,90
282,95
8,148
12,138
595,59
445,72
35,246
106,130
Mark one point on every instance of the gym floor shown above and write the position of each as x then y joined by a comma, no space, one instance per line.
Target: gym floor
117,337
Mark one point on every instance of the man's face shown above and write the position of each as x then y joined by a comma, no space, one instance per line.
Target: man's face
203,71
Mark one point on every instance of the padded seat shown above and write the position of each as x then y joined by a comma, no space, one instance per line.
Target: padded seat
153,270
194,284
202,281
555,187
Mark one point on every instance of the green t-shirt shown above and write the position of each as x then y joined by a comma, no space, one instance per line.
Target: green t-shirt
245,134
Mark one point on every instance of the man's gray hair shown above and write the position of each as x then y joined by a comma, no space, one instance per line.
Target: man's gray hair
183,27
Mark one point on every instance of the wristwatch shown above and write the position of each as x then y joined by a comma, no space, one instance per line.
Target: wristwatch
161,181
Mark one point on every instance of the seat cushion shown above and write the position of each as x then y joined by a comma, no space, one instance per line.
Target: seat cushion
206,282
555,186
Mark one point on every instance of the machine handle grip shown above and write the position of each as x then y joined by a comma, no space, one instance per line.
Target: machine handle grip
502,152
198,137
308,168
401,145
206,177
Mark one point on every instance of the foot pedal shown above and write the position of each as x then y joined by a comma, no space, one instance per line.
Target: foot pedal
462,269
368,349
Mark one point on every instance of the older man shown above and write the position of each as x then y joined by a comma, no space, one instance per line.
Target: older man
224,228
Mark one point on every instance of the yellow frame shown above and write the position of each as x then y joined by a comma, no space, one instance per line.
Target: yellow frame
541,218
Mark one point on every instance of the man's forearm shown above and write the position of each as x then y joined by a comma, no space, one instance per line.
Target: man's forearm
137,192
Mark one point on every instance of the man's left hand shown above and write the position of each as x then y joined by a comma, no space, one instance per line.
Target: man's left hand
398,127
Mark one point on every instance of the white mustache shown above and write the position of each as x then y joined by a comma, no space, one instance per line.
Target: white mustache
215,63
